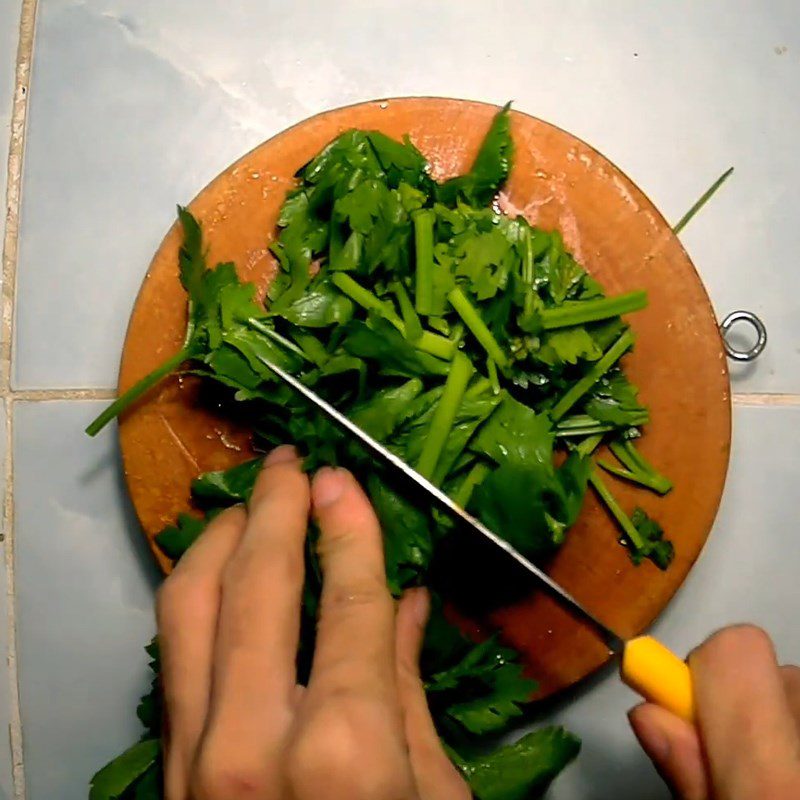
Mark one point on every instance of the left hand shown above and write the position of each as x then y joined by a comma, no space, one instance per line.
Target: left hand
238,725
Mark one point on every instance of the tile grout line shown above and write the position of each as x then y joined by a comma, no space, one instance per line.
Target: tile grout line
34,395
15,721
765,399
9,276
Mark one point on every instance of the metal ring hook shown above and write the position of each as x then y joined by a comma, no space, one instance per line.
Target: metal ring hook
758,326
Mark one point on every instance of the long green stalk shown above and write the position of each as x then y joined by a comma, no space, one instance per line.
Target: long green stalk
584,425
491,368
598,369
436,345
473,321
588,445
423,247
638,468
704,198
592,310
624,521
276,337
410,319
479,386
474,477
137,390
634,477
444,414
432,343
364,297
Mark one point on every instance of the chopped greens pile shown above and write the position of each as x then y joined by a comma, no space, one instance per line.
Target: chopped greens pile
475,347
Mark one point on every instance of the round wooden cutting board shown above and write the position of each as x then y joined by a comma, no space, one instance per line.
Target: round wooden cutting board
612,229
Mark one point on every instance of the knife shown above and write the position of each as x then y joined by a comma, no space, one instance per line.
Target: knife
646,666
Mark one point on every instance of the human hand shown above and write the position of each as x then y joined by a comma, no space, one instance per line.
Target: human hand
746,742
238,725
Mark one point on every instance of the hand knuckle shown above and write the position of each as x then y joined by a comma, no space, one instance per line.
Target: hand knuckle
367,591
229,779
346,752
744,638
341,538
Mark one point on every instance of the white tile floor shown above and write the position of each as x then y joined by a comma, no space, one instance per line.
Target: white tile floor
85,584
135,104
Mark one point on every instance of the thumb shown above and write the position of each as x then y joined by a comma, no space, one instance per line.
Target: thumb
674,748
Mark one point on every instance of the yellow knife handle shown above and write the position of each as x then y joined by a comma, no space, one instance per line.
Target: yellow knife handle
658,675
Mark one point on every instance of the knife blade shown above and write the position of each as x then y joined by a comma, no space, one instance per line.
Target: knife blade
646,666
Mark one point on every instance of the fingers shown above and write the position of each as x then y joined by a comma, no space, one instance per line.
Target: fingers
674,748
791,684
748,731
253,693
355,640
435,775
351,706
187,611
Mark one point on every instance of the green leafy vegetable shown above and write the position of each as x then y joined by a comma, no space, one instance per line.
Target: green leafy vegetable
407,534
492,679
532,507
522,770
224,488
658,549
150,785
490,169
642,535
149,709
111,782
320,306
176,539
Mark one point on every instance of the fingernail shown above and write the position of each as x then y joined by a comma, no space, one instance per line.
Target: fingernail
281,455
650,735
328,486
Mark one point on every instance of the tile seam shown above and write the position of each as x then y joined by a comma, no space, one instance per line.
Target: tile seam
32,395
15,721
16,151
765,399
